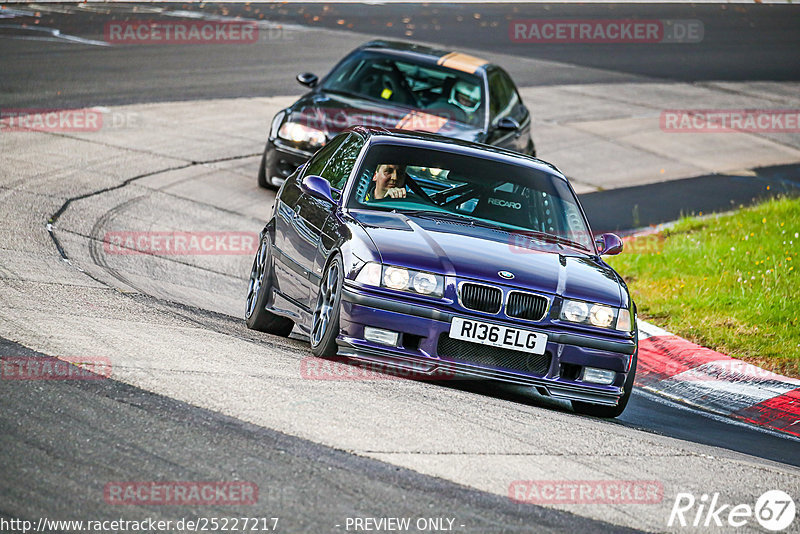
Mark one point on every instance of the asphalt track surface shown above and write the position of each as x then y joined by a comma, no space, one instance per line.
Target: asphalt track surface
51,424
740,42
62,441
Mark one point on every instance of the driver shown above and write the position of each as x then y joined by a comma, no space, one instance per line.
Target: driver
465,96
389,182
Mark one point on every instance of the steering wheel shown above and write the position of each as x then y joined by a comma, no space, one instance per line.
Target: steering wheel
394,82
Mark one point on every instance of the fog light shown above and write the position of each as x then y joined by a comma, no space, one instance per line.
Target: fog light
378,335
598,376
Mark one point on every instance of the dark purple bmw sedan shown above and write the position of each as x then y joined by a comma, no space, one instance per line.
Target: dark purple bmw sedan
447,258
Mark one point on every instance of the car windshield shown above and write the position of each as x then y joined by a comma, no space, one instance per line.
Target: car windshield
437,184
440,91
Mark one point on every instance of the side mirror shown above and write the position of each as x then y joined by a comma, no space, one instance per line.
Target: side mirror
507,123
608,244
317,187
308,79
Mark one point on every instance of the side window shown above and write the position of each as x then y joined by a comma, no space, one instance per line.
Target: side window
317,162
515,107
341,163
499,95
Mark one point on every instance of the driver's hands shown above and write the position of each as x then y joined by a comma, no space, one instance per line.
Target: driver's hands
396,192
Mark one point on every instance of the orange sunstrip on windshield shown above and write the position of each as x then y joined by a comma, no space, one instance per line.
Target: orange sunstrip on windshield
421,122
462,62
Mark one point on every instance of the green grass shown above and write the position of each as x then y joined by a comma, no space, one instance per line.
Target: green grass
729,282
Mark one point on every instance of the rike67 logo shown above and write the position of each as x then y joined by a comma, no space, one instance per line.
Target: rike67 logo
774,511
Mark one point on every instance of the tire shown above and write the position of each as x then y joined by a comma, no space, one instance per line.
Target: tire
531,148
608,412
255,315
325,320
262,172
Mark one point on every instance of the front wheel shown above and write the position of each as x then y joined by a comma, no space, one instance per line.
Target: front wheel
256,315
266,171
608,412
531,148
325,321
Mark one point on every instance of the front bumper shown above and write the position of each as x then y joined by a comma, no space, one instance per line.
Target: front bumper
424,330
282,160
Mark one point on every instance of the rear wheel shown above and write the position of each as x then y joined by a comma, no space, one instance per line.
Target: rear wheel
598,410
325,321
255,315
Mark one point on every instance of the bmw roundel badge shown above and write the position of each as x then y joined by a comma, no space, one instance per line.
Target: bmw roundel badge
508,275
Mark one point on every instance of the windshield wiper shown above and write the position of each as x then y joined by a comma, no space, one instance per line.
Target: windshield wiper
342,92
441,214
552,238
450,215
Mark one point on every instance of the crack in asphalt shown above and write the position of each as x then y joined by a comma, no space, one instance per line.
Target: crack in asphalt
54,218
191,314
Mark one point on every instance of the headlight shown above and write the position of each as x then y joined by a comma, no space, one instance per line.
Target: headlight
300,133
276,124
401,279
395,278
574,311
601,316
598,315
425,283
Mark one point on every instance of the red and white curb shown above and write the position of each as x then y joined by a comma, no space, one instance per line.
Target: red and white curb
681,370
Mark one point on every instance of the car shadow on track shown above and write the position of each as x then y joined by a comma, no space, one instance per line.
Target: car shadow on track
645,412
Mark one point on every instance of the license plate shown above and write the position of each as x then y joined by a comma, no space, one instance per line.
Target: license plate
498,335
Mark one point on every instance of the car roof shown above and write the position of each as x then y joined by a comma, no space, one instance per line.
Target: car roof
377,135
429,55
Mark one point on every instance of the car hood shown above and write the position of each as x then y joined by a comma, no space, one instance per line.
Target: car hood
332,113
479,253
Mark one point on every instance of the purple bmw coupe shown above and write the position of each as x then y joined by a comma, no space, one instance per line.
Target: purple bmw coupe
447,257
